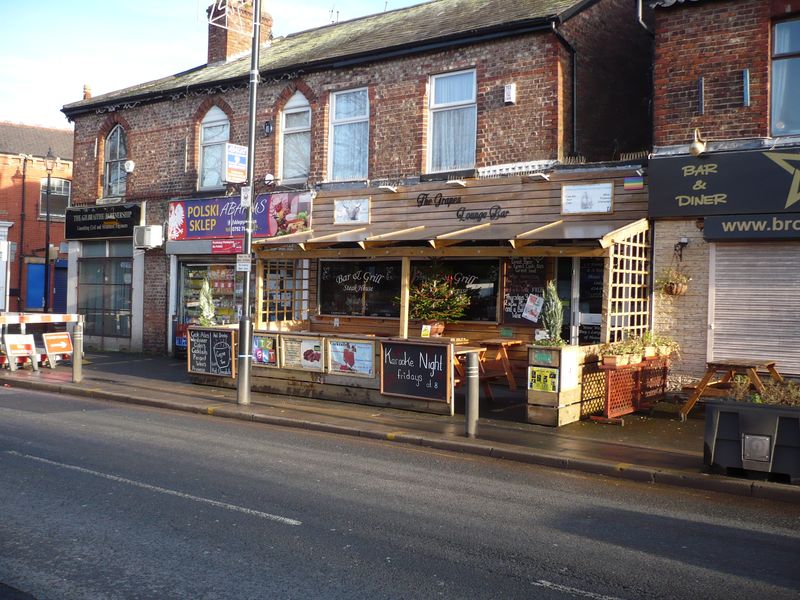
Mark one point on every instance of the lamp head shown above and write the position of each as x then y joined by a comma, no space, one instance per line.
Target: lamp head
49,161
698,146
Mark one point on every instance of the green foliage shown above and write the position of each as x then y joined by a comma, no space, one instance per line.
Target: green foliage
671,275
784,394
206,300
552,315
437,299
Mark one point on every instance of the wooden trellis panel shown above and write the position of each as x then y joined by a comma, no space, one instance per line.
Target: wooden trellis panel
627,291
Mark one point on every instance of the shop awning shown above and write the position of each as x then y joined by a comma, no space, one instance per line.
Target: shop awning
600,232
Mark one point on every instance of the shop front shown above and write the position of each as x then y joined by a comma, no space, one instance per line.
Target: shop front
333,317
204,239
731,221
106,275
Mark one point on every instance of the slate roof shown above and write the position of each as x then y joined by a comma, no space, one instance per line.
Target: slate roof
33,140
668,3
411,29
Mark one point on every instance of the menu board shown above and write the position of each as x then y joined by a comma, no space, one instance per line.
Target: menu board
265,349
211,351
525,276
304,353
359,288
416,370
351,357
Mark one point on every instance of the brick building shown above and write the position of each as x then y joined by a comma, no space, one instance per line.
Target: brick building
439,91
23,215
725,177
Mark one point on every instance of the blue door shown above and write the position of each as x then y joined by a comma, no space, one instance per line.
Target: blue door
60,293
34,291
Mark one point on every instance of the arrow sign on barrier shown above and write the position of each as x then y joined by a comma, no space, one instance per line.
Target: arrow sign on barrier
56,343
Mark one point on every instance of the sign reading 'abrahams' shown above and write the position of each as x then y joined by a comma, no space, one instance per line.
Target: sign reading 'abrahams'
211,351
93,222
416,370
725,184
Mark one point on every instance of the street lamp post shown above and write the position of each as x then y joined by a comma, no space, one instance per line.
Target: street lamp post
49,165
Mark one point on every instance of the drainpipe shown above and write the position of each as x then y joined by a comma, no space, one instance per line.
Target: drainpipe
574,61
640,15
21,250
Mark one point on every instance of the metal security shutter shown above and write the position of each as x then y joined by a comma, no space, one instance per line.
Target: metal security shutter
757,303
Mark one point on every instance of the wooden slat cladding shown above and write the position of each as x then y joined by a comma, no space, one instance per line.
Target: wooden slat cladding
535,203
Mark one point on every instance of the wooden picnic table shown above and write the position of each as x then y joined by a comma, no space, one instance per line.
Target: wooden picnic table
729,369
497,352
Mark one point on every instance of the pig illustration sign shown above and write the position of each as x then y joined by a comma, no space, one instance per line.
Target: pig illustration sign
215,218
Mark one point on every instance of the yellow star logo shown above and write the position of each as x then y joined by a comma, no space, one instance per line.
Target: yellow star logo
782,160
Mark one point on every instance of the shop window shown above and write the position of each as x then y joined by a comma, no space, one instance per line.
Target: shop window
349,135
295,139
786,78
105,274
479,278
284,295
116,153
214,133
453,122
359,288
59,197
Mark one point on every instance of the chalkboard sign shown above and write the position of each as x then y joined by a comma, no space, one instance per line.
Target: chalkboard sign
359,288
525,275
416,370
211,351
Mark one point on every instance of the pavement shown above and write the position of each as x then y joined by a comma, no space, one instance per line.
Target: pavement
653,447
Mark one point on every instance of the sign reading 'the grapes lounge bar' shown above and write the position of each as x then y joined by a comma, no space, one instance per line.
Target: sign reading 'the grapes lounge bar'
304,353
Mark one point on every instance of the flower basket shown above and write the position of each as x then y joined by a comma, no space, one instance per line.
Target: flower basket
615,360
675,288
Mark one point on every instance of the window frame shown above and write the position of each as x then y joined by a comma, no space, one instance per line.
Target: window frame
287,300
55,182
214,116
110,258
293,107
775,58
334,122
434,108
116,163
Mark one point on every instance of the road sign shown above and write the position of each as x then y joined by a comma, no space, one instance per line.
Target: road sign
56,344
245,199
20,345
243,263
235,163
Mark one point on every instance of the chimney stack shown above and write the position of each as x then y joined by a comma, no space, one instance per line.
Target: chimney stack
87,91
224,44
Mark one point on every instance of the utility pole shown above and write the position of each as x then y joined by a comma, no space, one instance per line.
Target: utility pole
245,324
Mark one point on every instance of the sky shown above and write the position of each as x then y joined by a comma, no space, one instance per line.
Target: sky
51,48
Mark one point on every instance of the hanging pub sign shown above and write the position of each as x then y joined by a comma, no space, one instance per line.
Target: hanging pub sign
96,222
730,183
273,215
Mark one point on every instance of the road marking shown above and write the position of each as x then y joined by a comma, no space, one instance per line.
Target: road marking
572,591
161,490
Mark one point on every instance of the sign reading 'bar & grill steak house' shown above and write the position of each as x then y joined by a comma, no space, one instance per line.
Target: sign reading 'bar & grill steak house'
95,222
725,184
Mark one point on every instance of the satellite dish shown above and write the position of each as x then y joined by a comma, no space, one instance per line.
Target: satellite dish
269,179
129,166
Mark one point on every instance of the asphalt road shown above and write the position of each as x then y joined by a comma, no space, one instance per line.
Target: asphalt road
104,500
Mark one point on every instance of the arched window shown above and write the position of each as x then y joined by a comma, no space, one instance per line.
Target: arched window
296,139
215,131
116,153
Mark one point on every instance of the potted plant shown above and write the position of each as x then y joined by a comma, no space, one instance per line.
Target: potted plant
614,354
207,309
552,317
666,346
437,300
673,282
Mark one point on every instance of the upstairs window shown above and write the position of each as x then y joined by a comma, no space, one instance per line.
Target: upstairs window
349,135
296,139
214,133
786,78
453,122
116,153
59,197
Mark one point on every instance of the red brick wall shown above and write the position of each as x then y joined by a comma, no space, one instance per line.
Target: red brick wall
714,40
11,208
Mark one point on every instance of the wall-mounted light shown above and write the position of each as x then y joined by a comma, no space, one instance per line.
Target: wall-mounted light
269,179
679,246
388,188
456,183
698,146
268,128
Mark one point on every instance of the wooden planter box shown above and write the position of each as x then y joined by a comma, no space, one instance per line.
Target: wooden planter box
554,388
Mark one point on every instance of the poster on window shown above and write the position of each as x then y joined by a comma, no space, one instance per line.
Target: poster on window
351,357
533,308
304,353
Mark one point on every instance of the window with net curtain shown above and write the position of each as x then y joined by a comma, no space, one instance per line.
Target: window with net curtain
349,135
116,153
296,140
786,78
453,122
214,133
